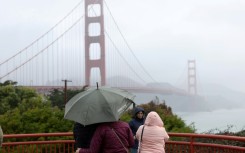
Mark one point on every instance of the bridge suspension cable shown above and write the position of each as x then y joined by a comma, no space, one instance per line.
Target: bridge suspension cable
42,50
53,48
118,51
127,44
51,29
48,44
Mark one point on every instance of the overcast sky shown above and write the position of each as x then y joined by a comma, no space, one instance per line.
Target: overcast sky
164,34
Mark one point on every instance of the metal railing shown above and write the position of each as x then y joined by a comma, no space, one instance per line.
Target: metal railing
38,143
204,143
179,143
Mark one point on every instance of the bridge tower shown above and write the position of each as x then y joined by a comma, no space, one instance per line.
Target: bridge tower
192,86
94,40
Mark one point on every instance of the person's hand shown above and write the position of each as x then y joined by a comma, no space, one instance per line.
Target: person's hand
78,149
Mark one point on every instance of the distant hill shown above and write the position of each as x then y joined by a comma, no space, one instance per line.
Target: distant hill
220,96
211,97
161,85
215,97
121,81
165,85
178,103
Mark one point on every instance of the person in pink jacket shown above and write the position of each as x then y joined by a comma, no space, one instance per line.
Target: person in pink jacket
154,135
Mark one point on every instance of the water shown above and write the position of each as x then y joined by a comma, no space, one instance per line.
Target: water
220,116
217,119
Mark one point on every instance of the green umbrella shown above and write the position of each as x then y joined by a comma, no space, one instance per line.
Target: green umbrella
97,105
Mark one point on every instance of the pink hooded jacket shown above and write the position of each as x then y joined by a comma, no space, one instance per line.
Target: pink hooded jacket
154,135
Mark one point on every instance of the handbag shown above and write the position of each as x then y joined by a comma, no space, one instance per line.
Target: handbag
127,150
139,148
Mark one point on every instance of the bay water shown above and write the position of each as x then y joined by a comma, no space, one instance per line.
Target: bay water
215,121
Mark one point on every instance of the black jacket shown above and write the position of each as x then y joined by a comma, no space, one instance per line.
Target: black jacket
135,123
83,134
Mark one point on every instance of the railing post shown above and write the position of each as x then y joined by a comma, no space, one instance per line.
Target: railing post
191,145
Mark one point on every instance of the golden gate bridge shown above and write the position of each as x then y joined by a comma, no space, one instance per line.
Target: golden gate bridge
86,46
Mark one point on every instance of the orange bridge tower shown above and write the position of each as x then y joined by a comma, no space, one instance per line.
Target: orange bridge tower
192,86
98,63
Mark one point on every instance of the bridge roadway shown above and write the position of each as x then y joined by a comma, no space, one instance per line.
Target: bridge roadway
166,91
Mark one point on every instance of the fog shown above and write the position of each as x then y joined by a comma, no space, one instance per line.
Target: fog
163,34
209,113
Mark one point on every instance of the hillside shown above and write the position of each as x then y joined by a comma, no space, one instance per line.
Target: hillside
215,97
211,97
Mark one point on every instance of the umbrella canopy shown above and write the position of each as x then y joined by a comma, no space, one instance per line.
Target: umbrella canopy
97,105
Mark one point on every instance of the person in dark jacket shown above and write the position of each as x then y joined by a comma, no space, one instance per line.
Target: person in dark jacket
83,134
110,137
135,123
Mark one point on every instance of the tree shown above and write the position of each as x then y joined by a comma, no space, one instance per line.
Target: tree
35,117
25,111
11,96
8,82
56,97
39,118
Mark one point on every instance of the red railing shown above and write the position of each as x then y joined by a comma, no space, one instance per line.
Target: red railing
205,143
179,143
38,143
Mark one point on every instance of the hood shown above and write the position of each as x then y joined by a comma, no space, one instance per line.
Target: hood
153,119
138,109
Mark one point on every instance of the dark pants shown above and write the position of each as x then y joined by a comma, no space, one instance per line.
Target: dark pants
132,150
